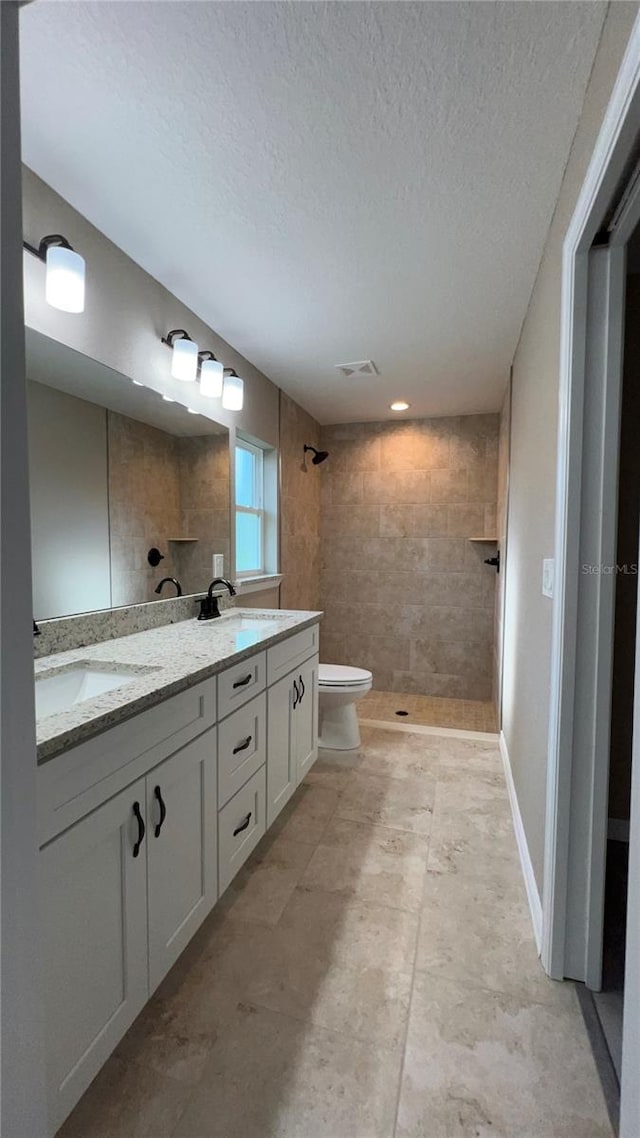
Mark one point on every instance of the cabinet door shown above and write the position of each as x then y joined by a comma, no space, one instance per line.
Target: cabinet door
94,905
306,718
182,850
282,766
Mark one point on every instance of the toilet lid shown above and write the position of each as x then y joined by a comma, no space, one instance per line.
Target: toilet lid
339,675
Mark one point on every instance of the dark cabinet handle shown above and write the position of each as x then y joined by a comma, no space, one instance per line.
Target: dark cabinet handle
302,689
163,811
243,683
243,745
296,695
243,825
141,829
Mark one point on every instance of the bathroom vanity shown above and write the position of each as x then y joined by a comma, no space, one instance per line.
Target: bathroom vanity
153,789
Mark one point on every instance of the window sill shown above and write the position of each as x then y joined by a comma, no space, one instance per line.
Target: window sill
257,584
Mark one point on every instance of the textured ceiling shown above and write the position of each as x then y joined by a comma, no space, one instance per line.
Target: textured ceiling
322,182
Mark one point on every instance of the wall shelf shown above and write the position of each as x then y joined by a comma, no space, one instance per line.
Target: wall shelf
181,540
486,540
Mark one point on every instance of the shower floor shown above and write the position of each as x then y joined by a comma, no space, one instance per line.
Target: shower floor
429,711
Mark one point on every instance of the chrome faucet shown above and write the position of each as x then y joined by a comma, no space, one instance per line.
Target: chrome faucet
209,605
174,581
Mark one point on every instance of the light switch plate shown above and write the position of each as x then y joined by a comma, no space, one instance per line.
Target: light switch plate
548,566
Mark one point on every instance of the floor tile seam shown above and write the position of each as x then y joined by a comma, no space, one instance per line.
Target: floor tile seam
522,1000
353,897
414,973
307,1021
417,782
393,829
532,1001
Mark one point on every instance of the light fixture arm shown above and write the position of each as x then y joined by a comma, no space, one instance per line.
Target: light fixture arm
51,239
206,355
176,334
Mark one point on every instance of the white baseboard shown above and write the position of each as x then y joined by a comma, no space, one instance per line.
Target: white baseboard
533,896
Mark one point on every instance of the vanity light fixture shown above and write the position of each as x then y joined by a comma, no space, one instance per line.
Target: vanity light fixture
232,390
184,362
211,375
65,272
399,405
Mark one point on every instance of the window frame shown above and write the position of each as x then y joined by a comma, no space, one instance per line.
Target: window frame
257,510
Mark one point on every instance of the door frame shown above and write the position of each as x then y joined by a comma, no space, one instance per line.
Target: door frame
575,639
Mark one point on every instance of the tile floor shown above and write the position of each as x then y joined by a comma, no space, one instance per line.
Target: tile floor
429,711
370,974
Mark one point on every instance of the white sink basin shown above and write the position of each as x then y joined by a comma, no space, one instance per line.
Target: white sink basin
246,624
59,690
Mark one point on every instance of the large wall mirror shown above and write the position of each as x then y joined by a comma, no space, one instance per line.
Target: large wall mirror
115,471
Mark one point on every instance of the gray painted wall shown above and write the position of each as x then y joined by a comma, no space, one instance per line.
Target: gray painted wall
534,417
127,312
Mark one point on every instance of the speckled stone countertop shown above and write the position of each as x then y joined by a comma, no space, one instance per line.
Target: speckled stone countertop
164,661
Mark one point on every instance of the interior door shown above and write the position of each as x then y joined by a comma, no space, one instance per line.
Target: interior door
596,556
182,812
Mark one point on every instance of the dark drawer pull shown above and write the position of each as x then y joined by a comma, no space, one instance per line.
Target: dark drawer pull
243,683
141,830
243,825
243,745
163,811
302,689
296,695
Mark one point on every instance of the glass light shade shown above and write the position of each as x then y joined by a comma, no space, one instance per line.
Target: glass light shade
232,393
211,377
184,362
64,282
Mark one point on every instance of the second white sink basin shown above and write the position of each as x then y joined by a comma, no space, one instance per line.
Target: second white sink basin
61,689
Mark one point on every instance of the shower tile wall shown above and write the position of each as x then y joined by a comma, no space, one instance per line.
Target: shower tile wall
299,508
405,593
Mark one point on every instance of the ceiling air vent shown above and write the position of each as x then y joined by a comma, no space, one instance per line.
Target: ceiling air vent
358,369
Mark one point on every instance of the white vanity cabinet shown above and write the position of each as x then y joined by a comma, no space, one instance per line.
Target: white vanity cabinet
94,913
182,851
142,828
126,885
293,733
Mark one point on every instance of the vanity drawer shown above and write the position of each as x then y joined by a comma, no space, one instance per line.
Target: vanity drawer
283,657
240,683
242,746
241,824
82,778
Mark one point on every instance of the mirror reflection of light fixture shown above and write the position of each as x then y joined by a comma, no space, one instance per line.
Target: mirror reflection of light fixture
211,375
184,361
65,272
232,390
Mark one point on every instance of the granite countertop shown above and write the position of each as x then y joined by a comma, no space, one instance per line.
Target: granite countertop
164,661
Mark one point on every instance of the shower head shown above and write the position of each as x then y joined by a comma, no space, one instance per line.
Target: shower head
318,455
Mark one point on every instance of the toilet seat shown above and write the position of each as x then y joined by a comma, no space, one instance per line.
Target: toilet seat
342,676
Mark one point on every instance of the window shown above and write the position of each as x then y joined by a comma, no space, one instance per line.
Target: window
250,513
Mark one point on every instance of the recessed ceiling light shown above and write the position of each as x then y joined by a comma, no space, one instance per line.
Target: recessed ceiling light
136,383
400,405
168,399
192,412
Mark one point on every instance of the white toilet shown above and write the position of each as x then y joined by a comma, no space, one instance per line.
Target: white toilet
339,687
